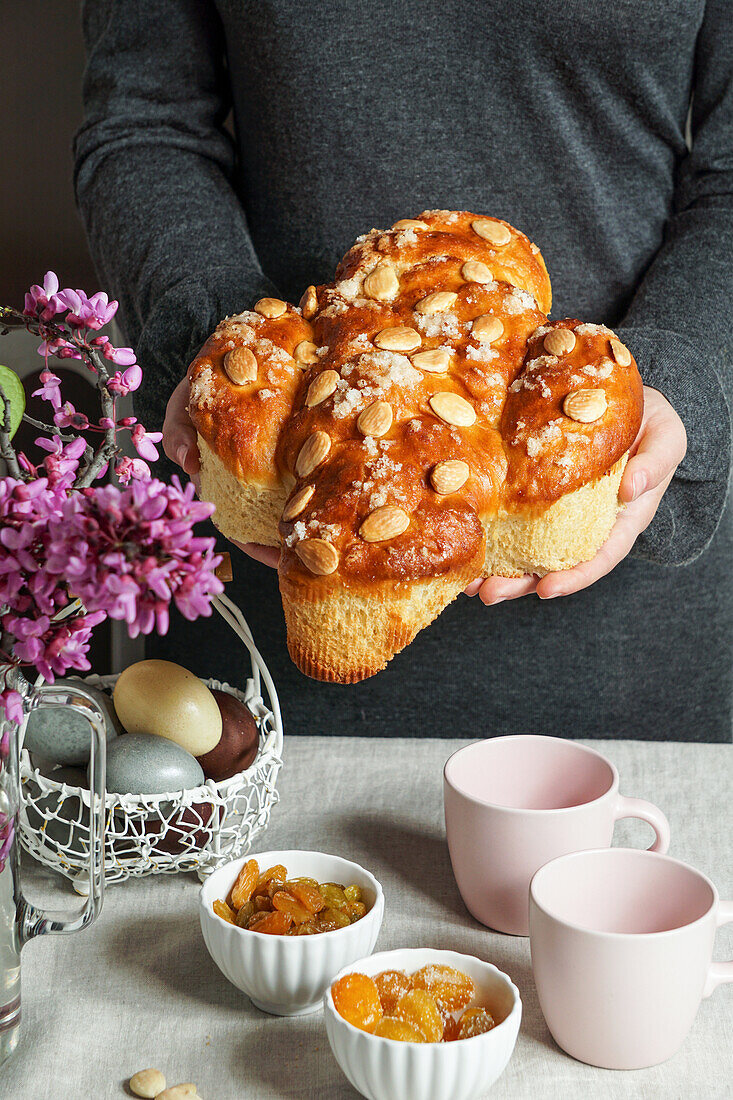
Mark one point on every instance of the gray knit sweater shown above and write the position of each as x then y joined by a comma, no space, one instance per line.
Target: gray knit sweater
565,117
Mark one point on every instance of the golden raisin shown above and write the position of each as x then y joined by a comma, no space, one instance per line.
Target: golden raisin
355,910
474,1021
270,880
419,1009
309,896
352,893
222,910
357,999
244,884
262,904
392,985
452,988
333,895
246,911
279,872
391,1028
328,920
305,929
273,924
286,903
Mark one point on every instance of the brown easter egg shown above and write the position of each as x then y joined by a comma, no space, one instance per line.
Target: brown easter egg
239,741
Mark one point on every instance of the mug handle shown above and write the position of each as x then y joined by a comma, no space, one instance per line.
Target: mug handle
720,972
639,807
33,921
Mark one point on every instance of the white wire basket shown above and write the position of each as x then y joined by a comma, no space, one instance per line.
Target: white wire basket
191,830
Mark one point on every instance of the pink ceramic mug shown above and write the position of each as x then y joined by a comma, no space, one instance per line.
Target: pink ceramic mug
513,803
622,942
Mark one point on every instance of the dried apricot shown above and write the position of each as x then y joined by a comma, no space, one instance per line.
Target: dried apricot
452,988
389,1027
392,985
286,903
419,1009
309,896
244,884
474,1021
356,998
450,1029
273,924
224,911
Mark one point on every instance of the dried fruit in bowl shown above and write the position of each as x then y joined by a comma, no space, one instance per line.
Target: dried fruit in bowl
356,998
420,1010
389,1027
244,884
309,906
413,1008
392,986
449,986
475,1021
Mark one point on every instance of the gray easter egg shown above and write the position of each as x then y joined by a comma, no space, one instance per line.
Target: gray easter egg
141,763
61,818
60,734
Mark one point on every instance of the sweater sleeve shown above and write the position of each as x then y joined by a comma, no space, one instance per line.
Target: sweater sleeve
153,178
680,322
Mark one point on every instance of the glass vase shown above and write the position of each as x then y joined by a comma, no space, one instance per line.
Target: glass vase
20,920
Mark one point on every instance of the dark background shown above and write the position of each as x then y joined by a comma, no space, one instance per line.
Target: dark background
40,109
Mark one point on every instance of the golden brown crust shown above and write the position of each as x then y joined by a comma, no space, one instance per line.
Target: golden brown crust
434,338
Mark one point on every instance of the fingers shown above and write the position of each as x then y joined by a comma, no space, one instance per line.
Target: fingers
629,525
497,589
659,448
268,555
179,434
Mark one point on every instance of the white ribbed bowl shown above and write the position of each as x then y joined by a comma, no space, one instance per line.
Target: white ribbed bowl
288,975
461,1070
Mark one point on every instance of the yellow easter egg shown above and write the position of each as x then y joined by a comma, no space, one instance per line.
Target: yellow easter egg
166,700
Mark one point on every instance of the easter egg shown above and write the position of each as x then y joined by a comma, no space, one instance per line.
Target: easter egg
63,735
162,699
60,818
239,741
184,831
142,763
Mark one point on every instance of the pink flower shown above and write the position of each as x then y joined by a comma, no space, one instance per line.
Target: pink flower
125,357
49,390
94,312
128,469
43,301
127,381
68,417
12,704
144,442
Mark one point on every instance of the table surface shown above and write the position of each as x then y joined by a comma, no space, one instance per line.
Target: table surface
138,989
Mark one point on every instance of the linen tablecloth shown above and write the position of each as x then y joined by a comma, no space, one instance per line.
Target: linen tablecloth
138,989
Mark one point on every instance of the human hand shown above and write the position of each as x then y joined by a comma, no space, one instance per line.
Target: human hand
656,453
179,444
